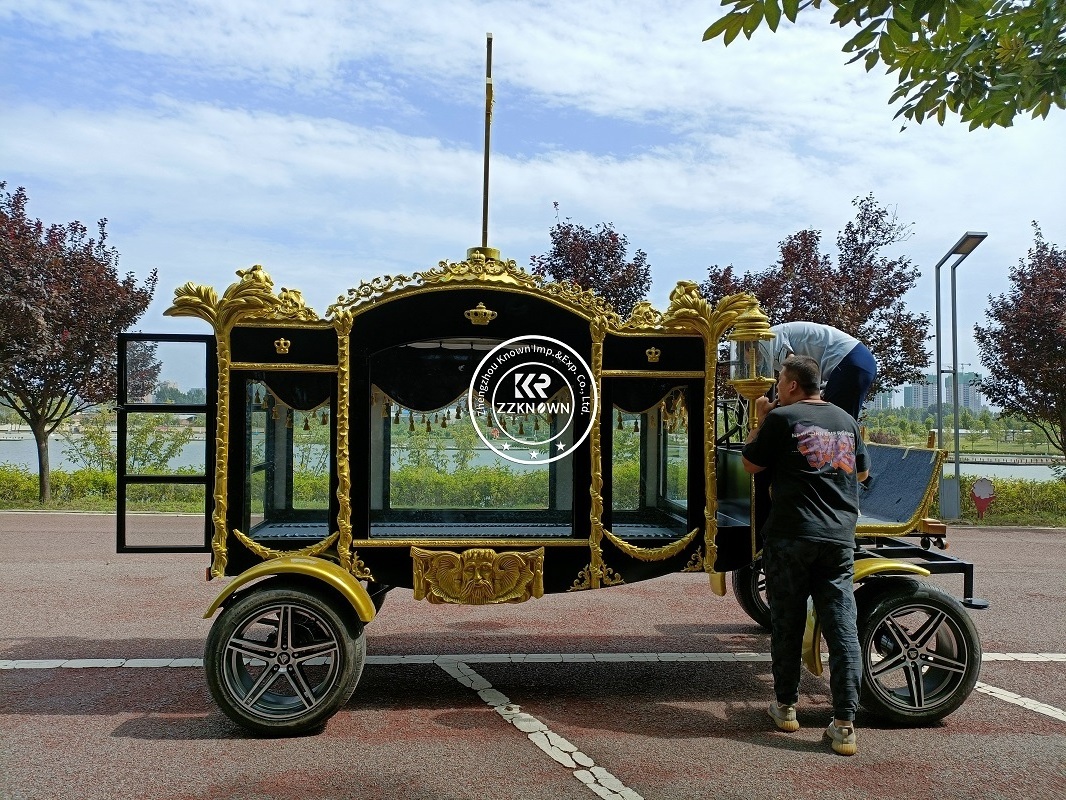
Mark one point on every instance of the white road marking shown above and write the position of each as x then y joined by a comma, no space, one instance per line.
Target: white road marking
473,658
597,779
548,658
1018,700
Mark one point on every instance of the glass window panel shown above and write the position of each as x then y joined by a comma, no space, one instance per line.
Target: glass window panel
165,444
169,498
184,529
312,457
437,460
166,372
675,444
288,457
625,461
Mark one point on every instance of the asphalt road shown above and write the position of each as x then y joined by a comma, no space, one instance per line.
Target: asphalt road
654,690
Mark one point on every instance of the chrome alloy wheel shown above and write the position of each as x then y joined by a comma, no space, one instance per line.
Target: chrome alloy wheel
921,655
282,661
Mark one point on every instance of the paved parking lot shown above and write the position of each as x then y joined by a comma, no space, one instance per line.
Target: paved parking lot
654,690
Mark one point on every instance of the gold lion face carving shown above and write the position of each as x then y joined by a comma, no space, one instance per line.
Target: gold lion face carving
477,576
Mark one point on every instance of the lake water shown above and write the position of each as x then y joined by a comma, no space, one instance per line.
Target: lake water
23,452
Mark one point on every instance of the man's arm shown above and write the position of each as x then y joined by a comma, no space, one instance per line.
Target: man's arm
763,406
752,468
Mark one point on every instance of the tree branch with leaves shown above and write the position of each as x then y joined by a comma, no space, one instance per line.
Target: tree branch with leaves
1023,346
596,259
984,60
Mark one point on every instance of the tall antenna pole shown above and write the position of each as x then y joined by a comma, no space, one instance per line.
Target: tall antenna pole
488,129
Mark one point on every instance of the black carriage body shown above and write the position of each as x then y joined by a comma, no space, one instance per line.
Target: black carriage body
331,438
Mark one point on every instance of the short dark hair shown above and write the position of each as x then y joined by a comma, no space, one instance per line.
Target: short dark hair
805,372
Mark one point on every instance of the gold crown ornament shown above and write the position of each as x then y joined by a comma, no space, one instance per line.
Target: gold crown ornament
480,315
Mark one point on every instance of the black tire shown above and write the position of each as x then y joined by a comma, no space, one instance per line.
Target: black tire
281,661
749,586
921,655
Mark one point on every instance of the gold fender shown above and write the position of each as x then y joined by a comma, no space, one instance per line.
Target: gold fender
318,568
864,568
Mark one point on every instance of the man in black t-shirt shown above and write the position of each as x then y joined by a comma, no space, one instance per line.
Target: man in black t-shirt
816,457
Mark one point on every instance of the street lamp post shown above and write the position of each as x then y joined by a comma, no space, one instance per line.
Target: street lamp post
967,244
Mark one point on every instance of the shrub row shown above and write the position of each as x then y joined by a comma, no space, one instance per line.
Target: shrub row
1017,501
480,487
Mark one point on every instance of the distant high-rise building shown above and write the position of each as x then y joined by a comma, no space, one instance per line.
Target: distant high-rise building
921,395
880,401
969,394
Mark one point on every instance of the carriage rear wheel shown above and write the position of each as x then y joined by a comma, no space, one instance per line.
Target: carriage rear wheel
749,586
282,661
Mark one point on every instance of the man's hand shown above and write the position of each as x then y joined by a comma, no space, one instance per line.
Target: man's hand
763,406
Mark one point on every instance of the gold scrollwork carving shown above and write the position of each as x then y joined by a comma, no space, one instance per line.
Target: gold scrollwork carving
478,576
695,564
651,553
642,317
592,577
368,292
268,552
478,268
251,297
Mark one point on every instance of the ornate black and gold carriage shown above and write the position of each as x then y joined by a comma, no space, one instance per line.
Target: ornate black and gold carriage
477,435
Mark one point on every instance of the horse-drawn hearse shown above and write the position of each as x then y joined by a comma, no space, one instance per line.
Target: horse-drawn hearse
476,435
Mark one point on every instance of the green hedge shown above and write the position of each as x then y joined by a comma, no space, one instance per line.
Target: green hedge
480,487
1017,502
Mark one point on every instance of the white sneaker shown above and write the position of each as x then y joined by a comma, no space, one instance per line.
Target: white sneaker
784,716
842,739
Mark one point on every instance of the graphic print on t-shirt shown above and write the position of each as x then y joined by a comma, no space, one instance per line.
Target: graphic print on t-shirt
822,447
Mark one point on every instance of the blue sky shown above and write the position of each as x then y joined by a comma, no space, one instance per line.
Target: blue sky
336,141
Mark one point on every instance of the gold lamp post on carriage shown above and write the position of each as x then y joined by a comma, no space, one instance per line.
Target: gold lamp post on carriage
748,374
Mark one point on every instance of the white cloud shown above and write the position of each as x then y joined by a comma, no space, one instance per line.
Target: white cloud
312,162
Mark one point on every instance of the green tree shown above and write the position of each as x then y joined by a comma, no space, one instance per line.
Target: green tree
596,259
1023,349
169,393
153,442
985,60
465,441
310,440
64,306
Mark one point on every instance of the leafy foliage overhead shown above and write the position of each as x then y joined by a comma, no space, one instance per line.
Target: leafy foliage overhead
862,294
984,60
596,259
1023,346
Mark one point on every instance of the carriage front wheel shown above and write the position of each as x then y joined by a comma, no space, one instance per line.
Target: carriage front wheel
281,661
920,652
